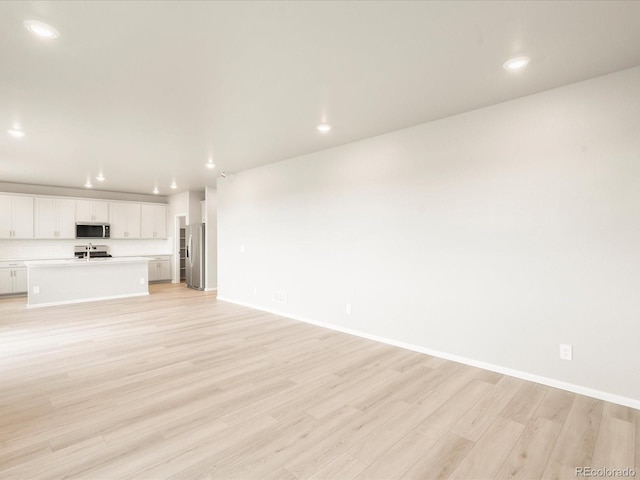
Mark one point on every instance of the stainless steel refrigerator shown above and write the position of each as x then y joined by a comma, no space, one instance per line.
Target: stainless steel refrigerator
195,256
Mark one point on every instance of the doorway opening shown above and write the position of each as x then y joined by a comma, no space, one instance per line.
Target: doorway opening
180,256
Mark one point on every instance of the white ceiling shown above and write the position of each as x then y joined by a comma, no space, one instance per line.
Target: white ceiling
147,91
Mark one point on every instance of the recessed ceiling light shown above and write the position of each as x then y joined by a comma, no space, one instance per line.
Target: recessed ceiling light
14,132
173,185
324,127
100,178
88,184
516,63
156,191
41,29
210,164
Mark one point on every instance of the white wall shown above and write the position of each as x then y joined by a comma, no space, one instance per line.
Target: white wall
178,205
78,192
494,235
195,207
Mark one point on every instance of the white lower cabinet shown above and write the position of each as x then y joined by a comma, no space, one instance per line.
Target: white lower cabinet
20,284
13,278
160,269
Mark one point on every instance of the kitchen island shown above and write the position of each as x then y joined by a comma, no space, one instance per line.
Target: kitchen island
57,282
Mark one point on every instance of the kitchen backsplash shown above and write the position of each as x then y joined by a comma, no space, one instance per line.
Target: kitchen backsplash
36,249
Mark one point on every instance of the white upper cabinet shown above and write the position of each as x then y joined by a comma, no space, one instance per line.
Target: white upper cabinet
92,211
154,221
16,216
22,216
46,218
124,219
55,217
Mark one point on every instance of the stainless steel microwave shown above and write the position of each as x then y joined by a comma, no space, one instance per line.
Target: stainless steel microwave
93,230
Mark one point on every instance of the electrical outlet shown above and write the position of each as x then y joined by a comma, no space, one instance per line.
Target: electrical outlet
242,249
348,309
280,297
566,352
36,289
255,290
142,281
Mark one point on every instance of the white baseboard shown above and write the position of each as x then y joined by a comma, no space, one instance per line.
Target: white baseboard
211,289
83,300
551,382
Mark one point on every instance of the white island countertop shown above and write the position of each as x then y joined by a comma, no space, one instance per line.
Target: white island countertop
73,280
75,262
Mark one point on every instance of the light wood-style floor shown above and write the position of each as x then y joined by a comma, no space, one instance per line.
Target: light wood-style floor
179,385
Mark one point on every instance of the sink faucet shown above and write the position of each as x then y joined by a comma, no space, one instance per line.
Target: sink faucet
89,247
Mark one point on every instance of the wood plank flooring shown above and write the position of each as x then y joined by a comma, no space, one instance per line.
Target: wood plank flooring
179,385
